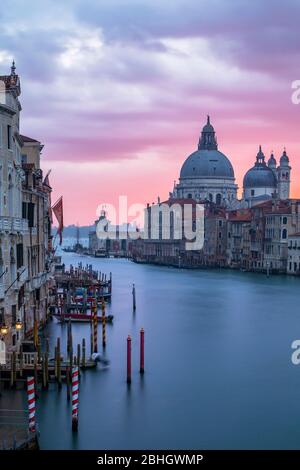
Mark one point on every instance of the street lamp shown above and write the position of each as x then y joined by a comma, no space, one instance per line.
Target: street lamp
18,325
4,330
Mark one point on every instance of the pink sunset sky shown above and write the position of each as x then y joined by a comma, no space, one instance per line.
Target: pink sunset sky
119,90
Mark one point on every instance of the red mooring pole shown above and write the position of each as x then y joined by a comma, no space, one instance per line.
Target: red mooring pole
142,351
31,403
75,392
129,360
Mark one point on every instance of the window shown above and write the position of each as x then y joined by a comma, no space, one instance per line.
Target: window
24,210
30,214
1,267
2,317
284,234
190,195
218,199
13,314
252,192
9,140
13,272
10,195
20,258
284,220
24,159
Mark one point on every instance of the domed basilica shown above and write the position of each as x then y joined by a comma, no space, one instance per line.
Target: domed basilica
207,174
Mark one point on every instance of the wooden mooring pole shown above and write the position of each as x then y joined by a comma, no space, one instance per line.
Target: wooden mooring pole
78,358
133,298
129,359
83,352
68,382
142,352
58,363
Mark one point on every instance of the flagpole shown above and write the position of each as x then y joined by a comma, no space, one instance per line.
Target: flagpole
56,202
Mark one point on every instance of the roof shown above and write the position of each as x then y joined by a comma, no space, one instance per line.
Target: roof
275,207
243,215
207,164
260,176
29,139
10,81
12,84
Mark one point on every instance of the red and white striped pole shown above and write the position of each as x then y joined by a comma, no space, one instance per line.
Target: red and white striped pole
75,392
95,322
31,403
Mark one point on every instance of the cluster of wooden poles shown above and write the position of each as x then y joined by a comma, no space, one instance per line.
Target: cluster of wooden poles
75,362
142,355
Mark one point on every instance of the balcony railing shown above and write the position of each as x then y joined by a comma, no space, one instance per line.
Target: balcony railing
13,224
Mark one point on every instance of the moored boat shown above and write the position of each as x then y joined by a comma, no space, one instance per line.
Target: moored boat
81,317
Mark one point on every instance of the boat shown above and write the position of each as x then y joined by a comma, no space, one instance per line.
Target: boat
81,317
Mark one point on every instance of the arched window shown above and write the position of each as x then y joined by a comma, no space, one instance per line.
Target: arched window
13,269
284,234
10,196
284,220
218,199
210,197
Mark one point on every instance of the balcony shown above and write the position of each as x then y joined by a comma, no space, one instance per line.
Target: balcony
37,281
13,225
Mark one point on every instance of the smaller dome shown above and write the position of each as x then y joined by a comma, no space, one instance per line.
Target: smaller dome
260,175
272,161
284,159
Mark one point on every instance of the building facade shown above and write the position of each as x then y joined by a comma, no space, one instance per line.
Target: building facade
36,208
13,226
24,230
293,262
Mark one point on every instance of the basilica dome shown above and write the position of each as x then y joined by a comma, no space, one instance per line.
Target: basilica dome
207,161
207,174
207,164
260,175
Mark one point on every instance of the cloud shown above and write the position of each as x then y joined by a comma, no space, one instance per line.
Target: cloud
119,81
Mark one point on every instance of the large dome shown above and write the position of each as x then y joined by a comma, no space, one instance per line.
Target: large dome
260,175
207,161
207,164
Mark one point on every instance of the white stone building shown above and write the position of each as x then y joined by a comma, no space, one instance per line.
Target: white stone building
267,180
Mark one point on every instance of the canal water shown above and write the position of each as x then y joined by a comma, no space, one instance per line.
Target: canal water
218,370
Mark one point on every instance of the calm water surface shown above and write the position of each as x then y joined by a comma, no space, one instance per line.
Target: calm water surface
217,359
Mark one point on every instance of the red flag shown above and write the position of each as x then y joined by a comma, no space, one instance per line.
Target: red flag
58,212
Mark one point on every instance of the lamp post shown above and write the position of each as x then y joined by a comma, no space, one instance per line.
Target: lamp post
3,333
4,330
